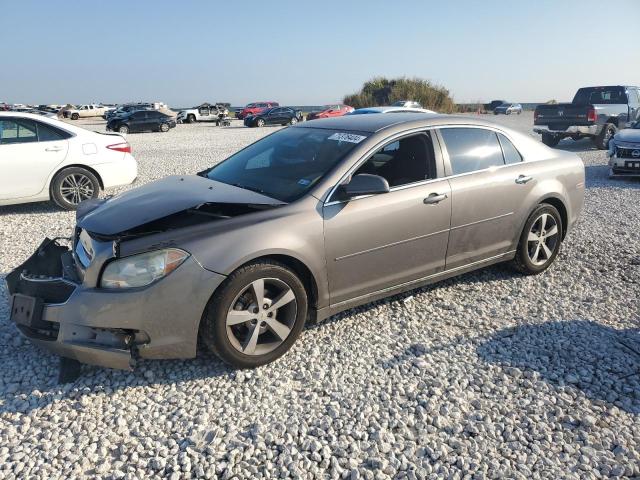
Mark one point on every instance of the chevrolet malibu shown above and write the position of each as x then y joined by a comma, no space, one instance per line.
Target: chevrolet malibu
307,222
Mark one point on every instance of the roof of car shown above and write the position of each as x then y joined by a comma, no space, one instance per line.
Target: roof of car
376,122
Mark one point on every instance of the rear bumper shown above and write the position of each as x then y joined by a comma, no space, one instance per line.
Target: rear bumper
118,172
106,327
588,130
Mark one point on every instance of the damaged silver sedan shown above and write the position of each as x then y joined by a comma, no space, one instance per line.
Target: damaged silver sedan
309,221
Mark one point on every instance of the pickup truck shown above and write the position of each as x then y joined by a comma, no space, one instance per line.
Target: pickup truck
595,112
204,113
86,111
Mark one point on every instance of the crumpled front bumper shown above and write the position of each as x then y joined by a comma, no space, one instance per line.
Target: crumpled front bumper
55,310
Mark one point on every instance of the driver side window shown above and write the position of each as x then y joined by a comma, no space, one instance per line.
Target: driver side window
407,160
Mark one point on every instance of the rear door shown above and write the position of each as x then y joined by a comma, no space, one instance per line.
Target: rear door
489,183
29,152
274,117
380,241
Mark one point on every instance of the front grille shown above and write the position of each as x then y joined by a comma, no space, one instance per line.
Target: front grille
628,152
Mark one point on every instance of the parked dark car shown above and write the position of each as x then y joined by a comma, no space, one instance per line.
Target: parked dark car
141,121
274,116
595,112
126,109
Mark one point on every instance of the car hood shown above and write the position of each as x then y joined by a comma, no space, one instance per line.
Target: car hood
160,199
628,135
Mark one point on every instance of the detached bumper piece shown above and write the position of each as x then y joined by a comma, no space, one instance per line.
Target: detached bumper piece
49,278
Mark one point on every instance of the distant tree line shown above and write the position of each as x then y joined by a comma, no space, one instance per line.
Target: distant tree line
382,91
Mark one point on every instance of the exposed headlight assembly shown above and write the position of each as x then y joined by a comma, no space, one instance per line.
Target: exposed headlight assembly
142,269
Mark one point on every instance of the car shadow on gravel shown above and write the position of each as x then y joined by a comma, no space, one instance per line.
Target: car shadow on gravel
579,146
600,361
597,176
30,208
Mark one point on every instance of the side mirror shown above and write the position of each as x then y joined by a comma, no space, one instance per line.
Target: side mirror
366,184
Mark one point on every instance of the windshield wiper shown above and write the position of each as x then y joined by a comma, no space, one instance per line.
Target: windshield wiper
253,189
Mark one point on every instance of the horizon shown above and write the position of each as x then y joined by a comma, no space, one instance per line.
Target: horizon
201,52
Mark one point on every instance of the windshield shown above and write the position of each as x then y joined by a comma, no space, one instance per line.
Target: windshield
637,125
286,164
399,103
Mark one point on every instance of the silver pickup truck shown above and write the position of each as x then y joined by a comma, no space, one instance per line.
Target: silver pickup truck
595,112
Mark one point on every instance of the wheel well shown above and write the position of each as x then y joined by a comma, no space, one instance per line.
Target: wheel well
613,120
80,166
301,270
562,210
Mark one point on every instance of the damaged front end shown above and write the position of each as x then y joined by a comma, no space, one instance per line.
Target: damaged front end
113,296
44,283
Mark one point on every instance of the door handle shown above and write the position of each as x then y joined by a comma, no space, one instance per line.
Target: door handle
434,198
522,179
53,149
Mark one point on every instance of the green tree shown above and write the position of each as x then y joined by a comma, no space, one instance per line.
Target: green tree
382,91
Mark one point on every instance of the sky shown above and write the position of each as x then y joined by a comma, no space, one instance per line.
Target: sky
310,52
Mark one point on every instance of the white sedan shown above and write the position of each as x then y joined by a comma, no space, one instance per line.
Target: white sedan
45,159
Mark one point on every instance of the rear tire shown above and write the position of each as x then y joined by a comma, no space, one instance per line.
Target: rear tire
75,116
540,240
229,337
164,127
73,185
604,137
550,140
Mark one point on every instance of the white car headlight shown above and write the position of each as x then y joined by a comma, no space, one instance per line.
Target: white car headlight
142,269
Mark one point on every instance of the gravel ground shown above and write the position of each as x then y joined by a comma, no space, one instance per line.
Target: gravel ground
487,375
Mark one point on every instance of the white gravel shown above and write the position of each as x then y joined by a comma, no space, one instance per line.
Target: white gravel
488,375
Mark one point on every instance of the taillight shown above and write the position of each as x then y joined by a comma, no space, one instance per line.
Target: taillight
120,147
535,116
591,115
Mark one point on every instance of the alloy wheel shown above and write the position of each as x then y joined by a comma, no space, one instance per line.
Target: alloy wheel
76,187
261,316
543,239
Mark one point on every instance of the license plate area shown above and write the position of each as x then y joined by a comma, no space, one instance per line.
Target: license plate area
26,311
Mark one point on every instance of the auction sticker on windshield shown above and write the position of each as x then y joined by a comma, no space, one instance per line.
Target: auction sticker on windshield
347,137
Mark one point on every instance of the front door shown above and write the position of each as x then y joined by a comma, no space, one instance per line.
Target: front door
489,183
380,241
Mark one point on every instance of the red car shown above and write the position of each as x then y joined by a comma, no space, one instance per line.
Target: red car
255,107
329,111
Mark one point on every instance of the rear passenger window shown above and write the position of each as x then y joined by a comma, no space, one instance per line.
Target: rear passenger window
511,155
472,149
50,134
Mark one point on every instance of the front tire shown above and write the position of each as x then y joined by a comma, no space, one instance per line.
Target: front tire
259,123
550,140
256,315
123,129
72,186
191,119
293,121
540,240
604,137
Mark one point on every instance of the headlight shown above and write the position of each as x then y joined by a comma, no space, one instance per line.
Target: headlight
143,269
